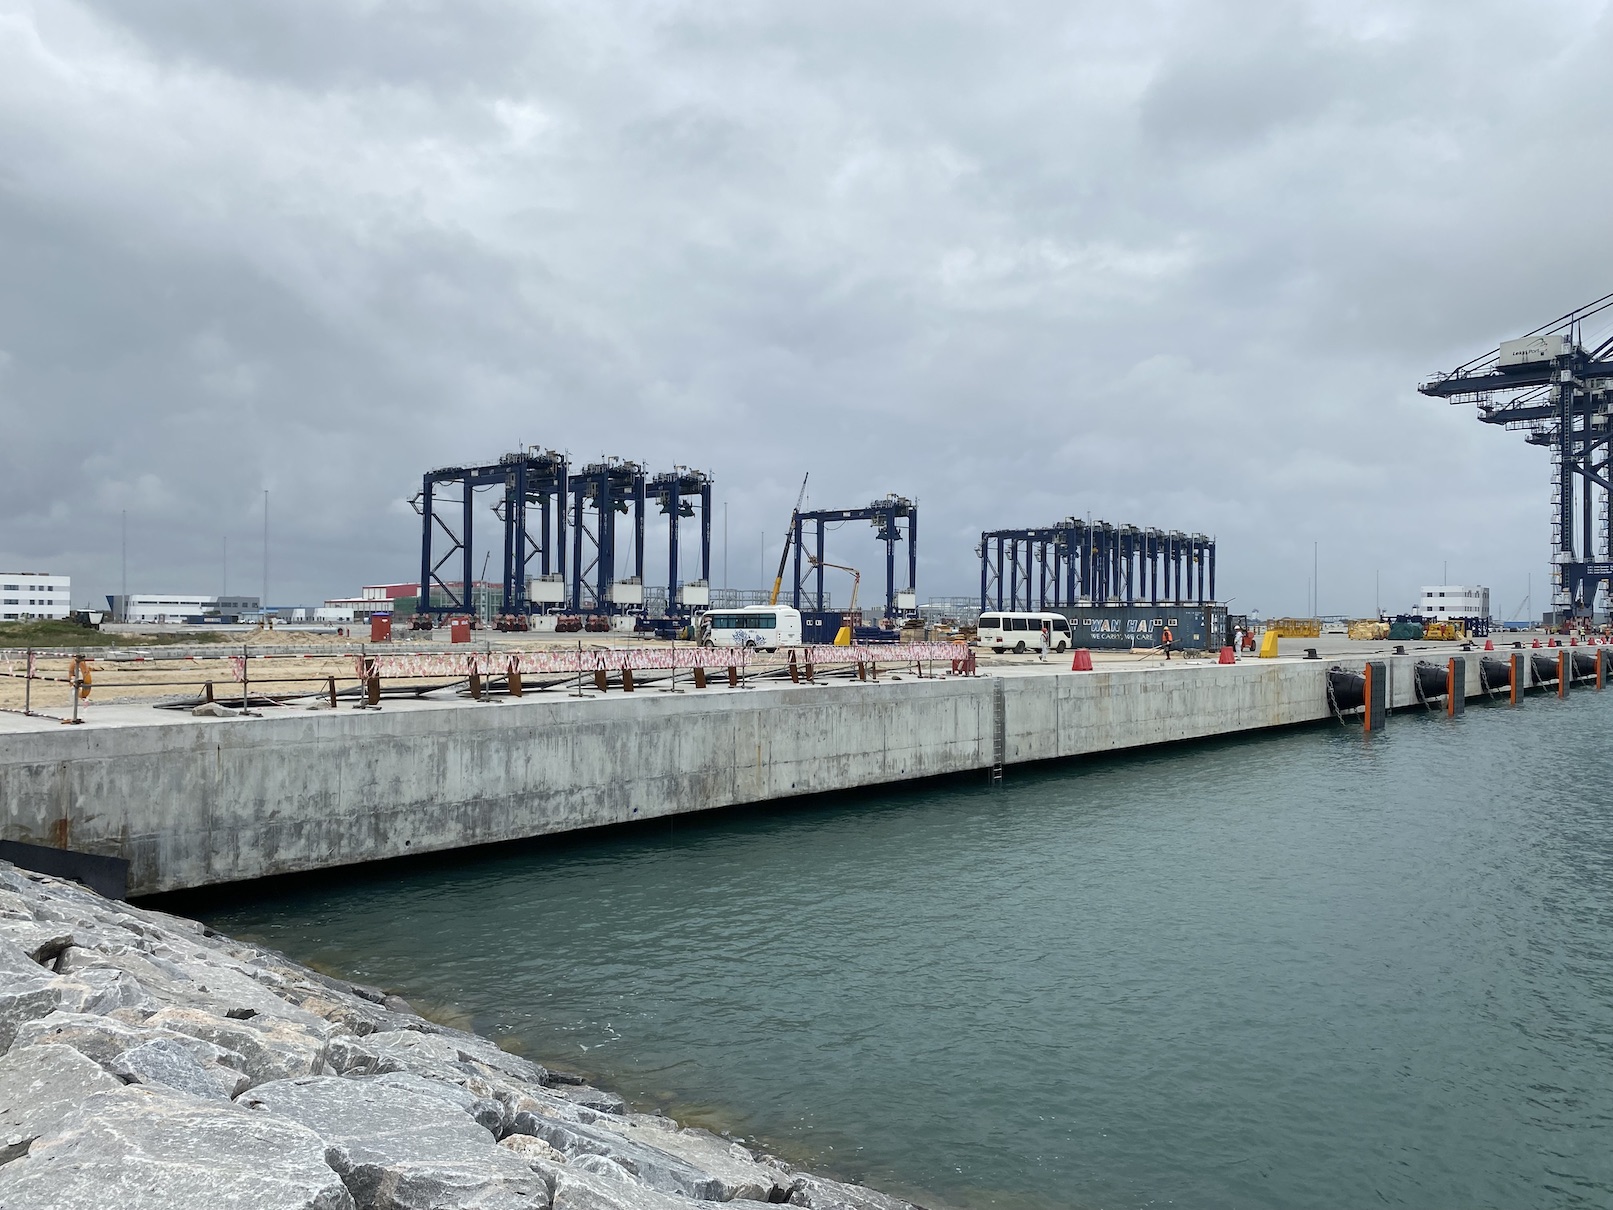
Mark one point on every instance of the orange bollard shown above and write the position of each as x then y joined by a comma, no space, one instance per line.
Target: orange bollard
1082,661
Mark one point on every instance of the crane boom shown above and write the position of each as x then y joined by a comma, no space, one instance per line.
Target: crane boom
789,534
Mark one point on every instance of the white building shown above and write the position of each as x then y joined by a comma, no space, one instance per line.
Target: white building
1445,602
26,595
162,608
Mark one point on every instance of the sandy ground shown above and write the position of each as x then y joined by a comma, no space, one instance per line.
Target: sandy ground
286,663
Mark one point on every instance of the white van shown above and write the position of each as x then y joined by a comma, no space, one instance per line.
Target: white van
1022,631
760,627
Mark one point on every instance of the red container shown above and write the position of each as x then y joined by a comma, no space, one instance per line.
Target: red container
459,632
380,628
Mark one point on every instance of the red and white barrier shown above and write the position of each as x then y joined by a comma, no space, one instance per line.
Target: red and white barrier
641,659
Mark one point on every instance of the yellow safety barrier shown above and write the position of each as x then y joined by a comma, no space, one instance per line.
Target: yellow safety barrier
1268,645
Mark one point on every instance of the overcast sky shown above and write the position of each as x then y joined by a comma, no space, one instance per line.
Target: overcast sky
1173,264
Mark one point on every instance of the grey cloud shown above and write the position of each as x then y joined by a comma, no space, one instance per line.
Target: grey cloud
1172,264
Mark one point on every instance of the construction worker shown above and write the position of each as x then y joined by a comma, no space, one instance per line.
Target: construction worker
1047,638
1166,639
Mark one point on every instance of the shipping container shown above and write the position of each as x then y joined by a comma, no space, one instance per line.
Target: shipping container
1122,627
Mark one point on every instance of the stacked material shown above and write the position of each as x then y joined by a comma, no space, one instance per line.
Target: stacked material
1369,628
1295,628
148,1063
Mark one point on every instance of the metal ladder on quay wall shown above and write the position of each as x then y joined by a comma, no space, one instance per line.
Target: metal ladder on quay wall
999,731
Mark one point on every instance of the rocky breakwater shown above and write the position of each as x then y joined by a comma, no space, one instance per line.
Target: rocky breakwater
148,1062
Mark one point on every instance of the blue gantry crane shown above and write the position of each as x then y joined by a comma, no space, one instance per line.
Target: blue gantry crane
1080,562
1558,392
895,520
564,532
446,505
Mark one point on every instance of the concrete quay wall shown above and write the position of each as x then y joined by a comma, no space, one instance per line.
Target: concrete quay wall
191,802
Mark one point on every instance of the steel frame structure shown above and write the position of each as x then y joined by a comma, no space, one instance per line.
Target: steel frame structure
1079,562
604,489
1561,401
529,477
887,516
542,498
678,493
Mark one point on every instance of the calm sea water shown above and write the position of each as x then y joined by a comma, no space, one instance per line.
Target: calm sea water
1309,969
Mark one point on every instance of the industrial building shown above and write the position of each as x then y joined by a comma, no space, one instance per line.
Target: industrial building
372,599
175,608
34,595
1454,602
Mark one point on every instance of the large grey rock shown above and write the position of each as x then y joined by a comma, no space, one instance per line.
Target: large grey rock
270,1049
152,1149
398,1148
575,1188
104,1038
657,1169
529,1147
593,1098
39,1086
41,940
27,996
736,1170
452,1046
491,1114
818,1194
173,1063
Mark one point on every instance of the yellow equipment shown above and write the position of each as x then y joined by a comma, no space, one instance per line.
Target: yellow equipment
1295,628
843,635
789,534
1268,645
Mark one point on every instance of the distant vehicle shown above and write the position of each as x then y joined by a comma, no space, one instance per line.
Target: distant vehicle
1022,632
90,619
758,627
1335,628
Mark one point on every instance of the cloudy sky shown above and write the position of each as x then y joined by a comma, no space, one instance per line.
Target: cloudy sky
1174,264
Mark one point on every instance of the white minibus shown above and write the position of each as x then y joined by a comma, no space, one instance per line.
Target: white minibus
1022,631
761,627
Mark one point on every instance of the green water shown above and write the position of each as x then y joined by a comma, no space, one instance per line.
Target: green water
1314,968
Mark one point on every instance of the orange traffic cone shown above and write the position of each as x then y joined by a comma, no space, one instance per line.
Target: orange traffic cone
1489,644
1082,661
1227,656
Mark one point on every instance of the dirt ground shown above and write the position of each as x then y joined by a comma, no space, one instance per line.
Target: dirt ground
154,678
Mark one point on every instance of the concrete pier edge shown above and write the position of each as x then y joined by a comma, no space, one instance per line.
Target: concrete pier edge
192,802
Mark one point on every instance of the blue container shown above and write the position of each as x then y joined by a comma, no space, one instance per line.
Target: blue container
1123,627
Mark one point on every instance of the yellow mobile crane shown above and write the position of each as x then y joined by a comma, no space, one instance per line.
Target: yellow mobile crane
843,635
789,535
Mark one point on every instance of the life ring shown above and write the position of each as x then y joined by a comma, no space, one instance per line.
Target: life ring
80,671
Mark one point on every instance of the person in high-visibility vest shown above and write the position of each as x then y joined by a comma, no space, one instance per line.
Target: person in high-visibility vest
1166,639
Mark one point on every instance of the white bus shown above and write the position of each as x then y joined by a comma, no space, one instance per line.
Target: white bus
1023,631
760,627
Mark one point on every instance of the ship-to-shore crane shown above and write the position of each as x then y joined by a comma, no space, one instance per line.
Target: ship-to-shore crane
1549,384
